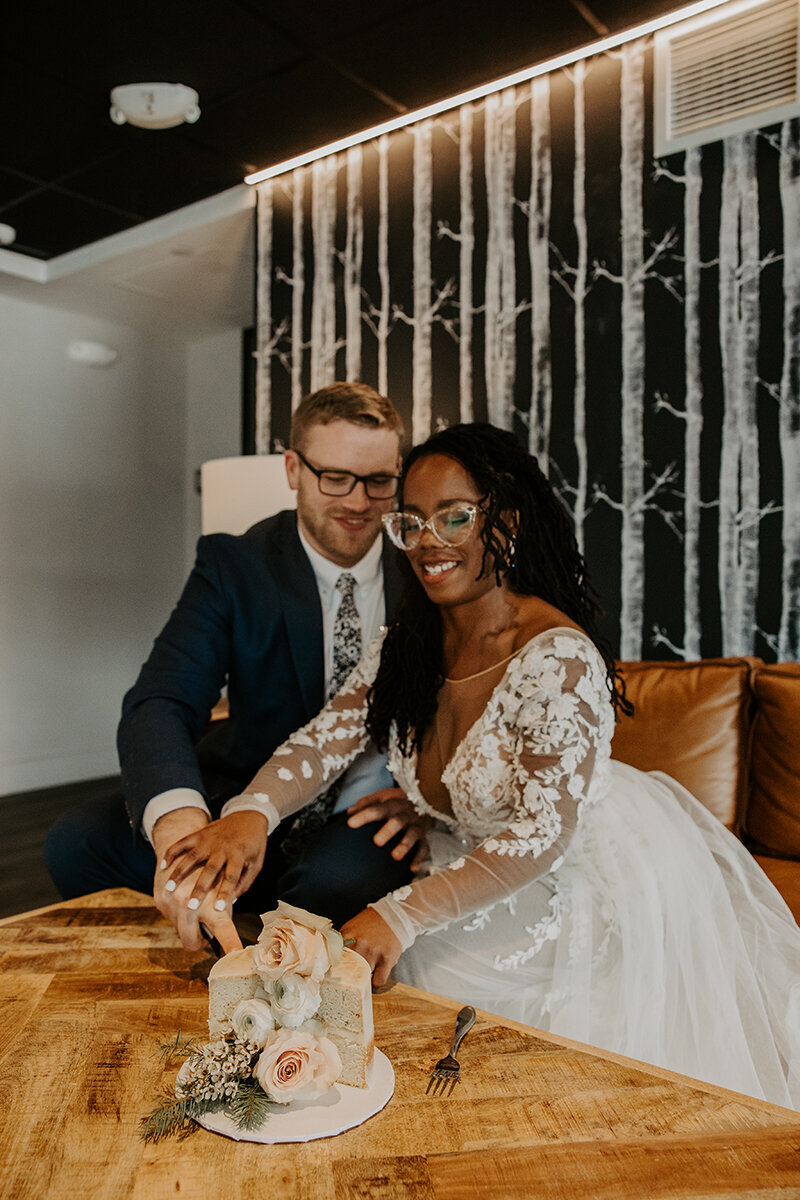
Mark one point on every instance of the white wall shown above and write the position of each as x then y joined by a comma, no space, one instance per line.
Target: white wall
92,533
213,415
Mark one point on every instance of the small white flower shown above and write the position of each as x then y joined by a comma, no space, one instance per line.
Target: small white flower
285,774
402,893
456,864
293,999
306,769
252,1020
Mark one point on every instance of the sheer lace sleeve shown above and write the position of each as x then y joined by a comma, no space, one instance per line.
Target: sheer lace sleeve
524,772
317,754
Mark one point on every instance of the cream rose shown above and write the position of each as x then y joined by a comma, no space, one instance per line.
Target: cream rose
296,942
252,1021
292,999
296,1065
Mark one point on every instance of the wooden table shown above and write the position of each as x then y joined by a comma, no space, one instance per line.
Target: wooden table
90,987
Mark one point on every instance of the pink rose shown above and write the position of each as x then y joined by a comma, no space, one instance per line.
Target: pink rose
297,1065
296,942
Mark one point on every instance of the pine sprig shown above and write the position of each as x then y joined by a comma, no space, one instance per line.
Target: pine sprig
178,1045
170,1117
249,1106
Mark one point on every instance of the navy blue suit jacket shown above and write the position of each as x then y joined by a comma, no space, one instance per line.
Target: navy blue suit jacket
249,616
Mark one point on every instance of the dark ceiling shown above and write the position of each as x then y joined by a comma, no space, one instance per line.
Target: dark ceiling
274,80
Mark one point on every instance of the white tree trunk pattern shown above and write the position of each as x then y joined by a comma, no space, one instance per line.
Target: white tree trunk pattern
693,406
323,307
500,305
465,257
298,285
633,343
263,414
729,452
423,283
383,263
353,261
310,355
539,254
789,418
748,342
579,296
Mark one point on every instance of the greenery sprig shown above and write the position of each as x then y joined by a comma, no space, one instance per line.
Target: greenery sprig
219,1076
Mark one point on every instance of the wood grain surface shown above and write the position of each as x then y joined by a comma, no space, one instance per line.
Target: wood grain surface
90,987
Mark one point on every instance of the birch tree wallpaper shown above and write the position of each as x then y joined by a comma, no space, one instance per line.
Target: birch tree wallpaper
635,321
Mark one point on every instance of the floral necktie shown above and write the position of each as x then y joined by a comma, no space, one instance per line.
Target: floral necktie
346,653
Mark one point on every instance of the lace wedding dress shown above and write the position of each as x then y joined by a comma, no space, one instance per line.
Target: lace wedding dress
569,891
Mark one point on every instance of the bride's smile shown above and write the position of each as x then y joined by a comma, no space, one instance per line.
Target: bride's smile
452,573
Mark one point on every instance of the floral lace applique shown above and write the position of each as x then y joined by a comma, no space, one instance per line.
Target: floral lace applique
517,782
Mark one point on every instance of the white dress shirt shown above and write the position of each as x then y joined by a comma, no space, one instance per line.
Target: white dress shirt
369,772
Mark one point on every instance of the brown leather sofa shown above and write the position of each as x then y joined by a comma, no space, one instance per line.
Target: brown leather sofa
728,729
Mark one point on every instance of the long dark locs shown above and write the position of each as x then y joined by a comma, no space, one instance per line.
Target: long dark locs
538,558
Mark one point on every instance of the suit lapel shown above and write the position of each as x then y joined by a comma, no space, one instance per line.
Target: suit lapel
302,612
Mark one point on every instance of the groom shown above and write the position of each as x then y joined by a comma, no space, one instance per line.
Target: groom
267,614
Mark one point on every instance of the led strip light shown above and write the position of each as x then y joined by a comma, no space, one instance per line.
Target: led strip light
486,89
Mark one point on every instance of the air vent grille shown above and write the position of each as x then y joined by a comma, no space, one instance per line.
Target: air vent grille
726,74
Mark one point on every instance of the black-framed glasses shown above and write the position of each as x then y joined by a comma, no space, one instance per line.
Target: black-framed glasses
450,526
341,483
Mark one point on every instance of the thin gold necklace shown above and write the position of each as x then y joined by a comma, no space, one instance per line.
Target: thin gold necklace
485,671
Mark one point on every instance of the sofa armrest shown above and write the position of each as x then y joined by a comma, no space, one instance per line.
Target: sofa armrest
772,824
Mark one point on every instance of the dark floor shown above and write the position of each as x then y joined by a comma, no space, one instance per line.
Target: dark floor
26,817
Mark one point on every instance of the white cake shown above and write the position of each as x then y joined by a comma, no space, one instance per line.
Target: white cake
345,1009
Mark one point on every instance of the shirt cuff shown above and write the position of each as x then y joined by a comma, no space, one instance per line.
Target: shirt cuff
165,802
254,802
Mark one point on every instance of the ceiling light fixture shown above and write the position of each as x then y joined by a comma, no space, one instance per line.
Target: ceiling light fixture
154,105
486,89
92,354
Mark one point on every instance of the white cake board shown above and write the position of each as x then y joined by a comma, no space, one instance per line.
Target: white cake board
343,1107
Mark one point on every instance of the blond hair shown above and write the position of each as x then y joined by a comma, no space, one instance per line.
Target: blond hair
356,402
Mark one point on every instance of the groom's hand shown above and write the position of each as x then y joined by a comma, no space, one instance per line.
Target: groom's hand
393,807
173,902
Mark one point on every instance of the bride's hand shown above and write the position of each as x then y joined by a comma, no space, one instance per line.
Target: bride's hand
224,856
373,940
393,807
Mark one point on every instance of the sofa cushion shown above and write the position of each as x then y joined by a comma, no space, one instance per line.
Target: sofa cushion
784,873
691,720
772,825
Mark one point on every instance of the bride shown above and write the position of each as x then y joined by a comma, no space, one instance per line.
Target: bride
563,889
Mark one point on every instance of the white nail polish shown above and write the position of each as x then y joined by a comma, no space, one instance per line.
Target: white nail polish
170,885
220,905
194,903
163,864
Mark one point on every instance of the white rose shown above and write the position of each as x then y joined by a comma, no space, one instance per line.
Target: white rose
252,1020
296,1065
296,942
292,999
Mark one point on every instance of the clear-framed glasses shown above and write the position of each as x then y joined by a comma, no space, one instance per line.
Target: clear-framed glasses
341,483
451,525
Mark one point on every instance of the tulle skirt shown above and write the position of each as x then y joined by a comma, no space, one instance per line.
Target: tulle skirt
658,937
